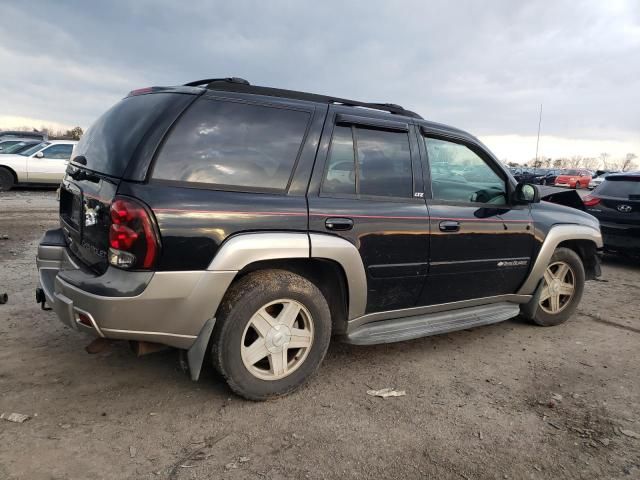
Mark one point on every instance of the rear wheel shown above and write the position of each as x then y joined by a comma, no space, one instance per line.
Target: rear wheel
562,288
6,180
272,333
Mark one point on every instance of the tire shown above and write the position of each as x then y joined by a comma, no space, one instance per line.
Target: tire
546,315
239,326
6,180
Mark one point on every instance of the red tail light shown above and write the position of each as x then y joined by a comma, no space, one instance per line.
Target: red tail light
590,201
132,237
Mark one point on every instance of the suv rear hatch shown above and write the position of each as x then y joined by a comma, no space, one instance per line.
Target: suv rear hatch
119,146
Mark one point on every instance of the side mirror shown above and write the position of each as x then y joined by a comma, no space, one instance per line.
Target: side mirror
39,155
526,193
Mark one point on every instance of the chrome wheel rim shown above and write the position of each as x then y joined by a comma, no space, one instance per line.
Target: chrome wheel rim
558,288
277,339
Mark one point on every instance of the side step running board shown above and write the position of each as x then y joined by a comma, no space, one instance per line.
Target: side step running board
407,328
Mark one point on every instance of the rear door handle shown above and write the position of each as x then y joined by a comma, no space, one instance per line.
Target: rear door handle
449,226
338,223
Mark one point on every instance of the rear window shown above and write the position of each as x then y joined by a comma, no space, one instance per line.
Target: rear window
233,145
111,141
620,187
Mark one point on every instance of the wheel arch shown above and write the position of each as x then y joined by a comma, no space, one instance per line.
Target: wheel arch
583,237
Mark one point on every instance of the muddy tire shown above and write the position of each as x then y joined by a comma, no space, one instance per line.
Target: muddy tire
563,285
272,332
6,180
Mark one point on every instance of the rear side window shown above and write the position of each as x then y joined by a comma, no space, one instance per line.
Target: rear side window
111,141
234,145
379,165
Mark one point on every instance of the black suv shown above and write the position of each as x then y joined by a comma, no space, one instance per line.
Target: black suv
616,203
254,223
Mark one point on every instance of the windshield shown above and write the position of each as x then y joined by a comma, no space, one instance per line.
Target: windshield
34,149
111,141
16,147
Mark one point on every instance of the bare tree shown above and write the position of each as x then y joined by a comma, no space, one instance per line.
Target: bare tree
628,162
590,163
604,157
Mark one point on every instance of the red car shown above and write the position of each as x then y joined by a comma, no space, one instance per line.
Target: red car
573,179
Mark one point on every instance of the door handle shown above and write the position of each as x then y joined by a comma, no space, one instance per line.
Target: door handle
338,224
449,226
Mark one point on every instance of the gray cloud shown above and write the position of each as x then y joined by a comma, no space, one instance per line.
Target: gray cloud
482,66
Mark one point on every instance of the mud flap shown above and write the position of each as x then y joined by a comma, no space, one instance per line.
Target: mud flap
197,352
529,309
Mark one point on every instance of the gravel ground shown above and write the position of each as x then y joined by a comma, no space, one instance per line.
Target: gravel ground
504,401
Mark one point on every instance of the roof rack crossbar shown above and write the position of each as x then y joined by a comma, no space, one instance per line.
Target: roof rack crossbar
231,85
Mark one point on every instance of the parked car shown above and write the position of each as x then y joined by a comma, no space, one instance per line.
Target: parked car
22,135
550,176
254,223
616,204
598,179
42,163
573,179
18,146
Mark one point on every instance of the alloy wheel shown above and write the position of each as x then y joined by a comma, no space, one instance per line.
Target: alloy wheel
277,339
558,288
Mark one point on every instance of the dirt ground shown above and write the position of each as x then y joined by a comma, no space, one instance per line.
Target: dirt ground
479,405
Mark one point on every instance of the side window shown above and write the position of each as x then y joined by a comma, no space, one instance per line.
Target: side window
340,176
233,144
58,152
458,174
380,165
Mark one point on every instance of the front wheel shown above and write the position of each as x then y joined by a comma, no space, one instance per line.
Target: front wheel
272,333
6,180
562,288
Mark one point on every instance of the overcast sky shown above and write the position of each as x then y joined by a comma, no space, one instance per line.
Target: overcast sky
482,66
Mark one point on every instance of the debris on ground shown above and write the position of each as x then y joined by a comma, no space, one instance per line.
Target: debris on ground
386,393
15,417
230,466
132,451
605,441
630,433
98,345
243,459
4,237
557,397
4,298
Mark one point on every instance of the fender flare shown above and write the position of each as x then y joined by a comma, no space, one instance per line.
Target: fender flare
557,235
243,249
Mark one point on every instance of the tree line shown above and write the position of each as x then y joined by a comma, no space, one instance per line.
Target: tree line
71,134
602,162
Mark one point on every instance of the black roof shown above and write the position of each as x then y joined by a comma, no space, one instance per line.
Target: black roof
240,85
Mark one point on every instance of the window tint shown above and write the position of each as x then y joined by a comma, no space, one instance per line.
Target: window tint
233,144
340,175
629,189
58,152
383,166
111,141
384,163
458,174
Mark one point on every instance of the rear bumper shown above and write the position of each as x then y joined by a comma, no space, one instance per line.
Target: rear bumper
171,307
624,238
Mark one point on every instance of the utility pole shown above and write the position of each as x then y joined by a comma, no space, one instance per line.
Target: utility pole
538,140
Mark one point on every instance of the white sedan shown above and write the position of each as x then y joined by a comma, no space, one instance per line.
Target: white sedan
44,163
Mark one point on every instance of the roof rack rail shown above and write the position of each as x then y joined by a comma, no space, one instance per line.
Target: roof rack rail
207,81
242,86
